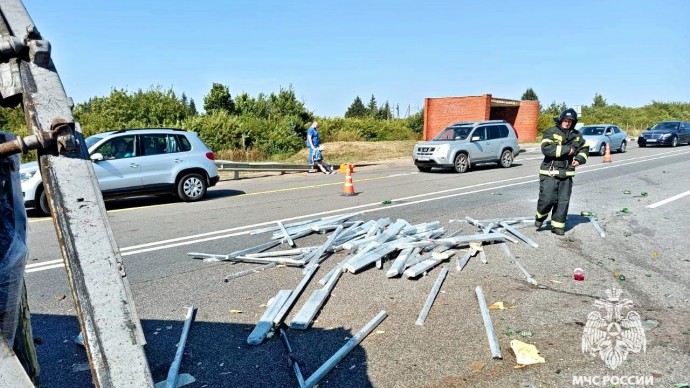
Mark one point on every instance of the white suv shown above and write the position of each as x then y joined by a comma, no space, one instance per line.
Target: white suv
132,162
465,144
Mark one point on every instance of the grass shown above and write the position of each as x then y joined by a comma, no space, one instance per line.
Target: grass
334,153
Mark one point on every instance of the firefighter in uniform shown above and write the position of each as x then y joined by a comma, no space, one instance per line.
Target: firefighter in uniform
564,149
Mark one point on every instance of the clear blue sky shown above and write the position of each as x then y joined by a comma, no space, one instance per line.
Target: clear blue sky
631,52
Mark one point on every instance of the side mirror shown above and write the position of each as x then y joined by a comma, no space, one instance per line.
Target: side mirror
97,157
475,138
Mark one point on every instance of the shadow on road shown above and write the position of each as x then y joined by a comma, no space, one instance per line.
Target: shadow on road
216,354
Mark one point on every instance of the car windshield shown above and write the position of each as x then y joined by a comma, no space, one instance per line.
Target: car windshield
592,131
665,127
454,133
91,140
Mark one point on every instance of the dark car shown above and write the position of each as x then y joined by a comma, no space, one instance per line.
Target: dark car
666,133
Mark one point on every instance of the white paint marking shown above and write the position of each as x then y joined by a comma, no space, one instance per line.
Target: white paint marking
61,265
667,200
41,264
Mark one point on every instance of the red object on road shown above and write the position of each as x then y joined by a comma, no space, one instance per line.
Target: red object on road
579,275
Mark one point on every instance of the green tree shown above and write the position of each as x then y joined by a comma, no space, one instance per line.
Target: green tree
124,109
372,107
384,112
357,109
415,122
219,98
529,95
599,101
192,107
555,109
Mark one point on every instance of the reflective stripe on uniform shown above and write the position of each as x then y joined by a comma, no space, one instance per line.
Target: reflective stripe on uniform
555,172
546,141
584,155
539,215
556,224
557,137
559,149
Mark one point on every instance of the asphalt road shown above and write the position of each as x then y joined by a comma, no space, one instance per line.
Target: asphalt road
645,243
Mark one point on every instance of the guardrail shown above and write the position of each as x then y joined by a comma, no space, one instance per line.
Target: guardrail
236,167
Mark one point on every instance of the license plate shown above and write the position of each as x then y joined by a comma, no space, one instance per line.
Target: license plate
423,158
651,140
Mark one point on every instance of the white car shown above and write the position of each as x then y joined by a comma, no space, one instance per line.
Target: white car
132,162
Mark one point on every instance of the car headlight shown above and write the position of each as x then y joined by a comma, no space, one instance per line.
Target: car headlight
665,135
442,150
27,174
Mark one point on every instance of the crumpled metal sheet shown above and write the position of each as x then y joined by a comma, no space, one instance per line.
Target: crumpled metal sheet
13,249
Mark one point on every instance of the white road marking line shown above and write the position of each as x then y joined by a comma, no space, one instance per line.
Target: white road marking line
667,200
41,264
61,265
160,245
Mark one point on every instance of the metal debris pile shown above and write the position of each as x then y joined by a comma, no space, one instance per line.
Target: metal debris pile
413,249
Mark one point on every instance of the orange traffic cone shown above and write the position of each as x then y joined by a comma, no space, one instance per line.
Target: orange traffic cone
607,154
348,189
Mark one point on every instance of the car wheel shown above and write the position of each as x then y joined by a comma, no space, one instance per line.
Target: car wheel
624,146
506,159
191,187
674,141
43,206
602,150
462,163
424,169
643,144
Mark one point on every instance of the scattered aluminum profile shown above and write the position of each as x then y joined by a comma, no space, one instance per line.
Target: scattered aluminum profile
285,309
465,258
294,261
420,228
287,226
311,307
292,361
519,235
369,258
380,224
287,252
353,232
398,265
231,256
356,244
174,371
315,257
342,352
482,257
248,272
490,333
286,234
465,240
325,228
432,296
596,226
329,274
265,323
522,269
392,230
307,229
424,266
510,220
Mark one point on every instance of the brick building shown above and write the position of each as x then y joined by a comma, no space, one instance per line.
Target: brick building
441,111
